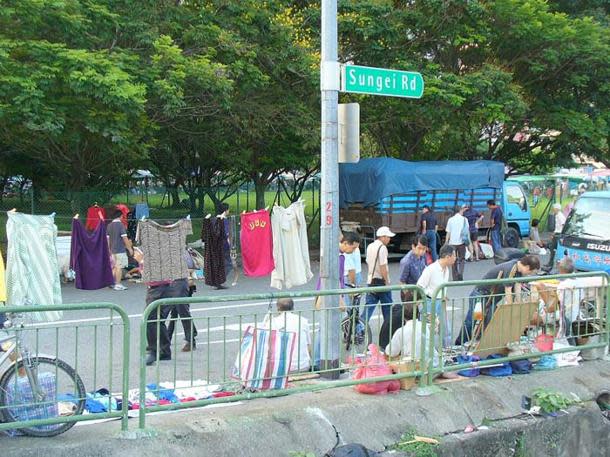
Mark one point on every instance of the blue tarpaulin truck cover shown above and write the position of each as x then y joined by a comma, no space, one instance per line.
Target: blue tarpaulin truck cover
370,180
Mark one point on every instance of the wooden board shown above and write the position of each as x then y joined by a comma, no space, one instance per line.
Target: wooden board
506,326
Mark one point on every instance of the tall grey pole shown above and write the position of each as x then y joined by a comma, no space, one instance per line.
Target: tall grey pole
329,195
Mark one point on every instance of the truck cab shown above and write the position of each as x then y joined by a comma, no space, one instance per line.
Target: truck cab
586,234
516,209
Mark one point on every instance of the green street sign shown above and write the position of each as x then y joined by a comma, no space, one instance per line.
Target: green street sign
381,81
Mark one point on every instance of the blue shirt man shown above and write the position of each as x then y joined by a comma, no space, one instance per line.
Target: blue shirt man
412,265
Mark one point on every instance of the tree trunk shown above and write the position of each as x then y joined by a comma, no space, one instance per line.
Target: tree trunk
260,186
172,193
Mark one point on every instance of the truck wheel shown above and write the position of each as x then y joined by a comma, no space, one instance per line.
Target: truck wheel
511,238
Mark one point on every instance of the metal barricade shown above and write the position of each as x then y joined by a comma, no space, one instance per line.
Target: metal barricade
187,378
73,357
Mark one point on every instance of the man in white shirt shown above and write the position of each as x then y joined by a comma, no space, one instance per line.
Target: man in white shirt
457,225
287,321
379,274
560,221
432,277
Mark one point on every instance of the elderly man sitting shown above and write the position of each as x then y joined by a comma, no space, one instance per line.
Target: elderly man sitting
287,321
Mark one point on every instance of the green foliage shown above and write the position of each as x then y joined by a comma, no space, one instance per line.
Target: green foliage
551,401
210,93
418,448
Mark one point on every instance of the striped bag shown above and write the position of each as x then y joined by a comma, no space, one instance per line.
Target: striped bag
264,358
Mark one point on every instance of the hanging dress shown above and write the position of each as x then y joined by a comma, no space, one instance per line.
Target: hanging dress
213,236
89,257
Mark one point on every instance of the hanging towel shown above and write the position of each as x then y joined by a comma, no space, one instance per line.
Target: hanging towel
290,247
90,257
256,243
32,274
93,217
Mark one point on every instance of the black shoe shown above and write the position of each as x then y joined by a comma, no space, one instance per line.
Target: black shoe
151,358
221,287
188,347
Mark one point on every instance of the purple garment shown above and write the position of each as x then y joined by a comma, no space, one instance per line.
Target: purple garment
90,257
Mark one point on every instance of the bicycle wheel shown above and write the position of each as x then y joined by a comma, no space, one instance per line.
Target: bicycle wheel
60,386
357,334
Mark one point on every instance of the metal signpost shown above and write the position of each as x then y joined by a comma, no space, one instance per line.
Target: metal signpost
356,79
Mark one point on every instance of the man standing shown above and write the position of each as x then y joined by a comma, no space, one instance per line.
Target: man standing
379,274
560,221
429,227
497,218
119,246
474,219
457,225
432,277
489,297
412,265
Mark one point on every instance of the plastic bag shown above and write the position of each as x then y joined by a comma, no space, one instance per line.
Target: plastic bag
372,366
469,372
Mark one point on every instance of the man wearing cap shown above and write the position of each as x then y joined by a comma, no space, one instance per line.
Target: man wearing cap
379,274
560,221
456,226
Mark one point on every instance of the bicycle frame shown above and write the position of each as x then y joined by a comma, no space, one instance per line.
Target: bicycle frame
14,355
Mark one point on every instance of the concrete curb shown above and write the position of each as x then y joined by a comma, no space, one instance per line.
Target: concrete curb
303,422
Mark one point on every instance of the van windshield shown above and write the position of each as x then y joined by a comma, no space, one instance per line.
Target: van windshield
589,219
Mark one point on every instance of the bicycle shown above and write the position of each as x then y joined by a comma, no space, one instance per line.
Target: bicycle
34,385
356,332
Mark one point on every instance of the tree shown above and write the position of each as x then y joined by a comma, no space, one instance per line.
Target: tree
76,114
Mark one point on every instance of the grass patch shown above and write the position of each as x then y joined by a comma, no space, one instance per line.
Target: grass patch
416,445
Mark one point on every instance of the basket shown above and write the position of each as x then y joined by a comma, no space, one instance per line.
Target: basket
405,366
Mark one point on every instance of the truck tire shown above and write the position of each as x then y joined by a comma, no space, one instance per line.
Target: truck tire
511,238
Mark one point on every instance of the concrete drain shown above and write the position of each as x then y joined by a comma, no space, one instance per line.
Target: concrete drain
603,401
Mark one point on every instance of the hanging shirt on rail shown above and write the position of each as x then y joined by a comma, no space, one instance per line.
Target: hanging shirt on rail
290,246
256,243
32,274
90,257
163,247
